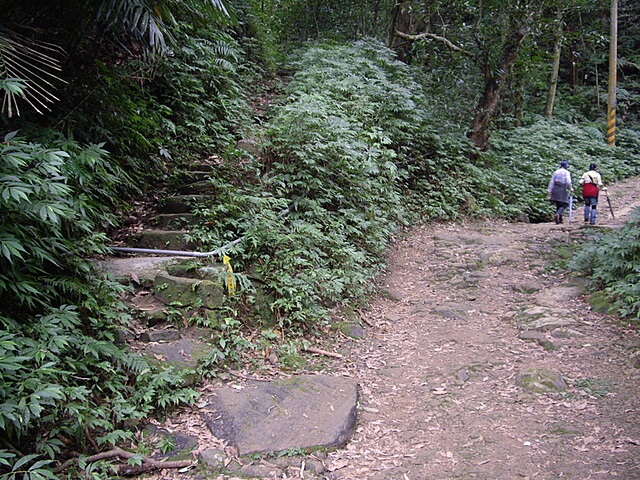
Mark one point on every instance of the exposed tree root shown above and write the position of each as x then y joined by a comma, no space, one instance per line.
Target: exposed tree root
148,464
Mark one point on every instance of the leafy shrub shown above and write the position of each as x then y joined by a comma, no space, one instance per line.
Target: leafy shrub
52,206
611,262
64,381
331,160
111,107
200,86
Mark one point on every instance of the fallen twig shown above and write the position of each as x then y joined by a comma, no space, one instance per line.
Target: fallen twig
148,464
246,377
322,352
364,319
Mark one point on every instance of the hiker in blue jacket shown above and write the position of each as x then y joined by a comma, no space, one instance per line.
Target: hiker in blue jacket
559,188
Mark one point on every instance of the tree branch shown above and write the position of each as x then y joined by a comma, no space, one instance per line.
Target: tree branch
148,464
433,36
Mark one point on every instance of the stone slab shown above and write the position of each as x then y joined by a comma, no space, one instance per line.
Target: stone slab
173,221
165,240
182,291
304,411
139,269
183,203
554,296
182,353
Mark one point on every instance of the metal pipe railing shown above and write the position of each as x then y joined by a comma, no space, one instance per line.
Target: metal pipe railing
179,253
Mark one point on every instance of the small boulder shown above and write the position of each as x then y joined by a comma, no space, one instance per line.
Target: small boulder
539,380
213,458
180,291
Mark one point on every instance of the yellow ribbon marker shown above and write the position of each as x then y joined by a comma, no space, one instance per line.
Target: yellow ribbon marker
231,285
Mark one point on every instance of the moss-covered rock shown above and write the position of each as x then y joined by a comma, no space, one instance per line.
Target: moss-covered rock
540,380
181,291
601,303
165,240
292,361
352,330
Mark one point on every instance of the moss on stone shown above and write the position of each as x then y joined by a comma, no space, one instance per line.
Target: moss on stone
601,303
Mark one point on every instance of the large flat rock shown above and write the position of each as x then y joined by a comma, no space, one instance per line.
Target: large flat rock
140,269
300,412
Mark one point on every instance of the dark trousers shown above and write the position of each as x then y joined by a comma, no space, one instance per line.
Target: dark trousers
560,208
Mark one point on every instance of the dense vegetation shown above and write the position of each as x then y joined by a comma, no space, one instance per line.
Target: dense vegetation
355,145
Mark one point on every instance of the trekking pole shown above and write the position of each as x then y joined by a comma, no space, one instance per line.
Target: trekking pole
609,202
571,209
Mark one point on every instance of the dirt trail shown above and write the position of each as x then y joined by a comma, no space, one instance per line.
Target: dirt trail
470,308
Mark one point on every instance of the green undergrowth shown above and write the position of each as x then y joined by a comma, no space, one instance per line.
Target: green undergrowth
611,262
66,383
352,154
123,124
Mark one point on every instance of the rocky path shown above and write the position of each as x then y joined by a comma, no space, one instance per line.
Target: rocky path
485,362
482,360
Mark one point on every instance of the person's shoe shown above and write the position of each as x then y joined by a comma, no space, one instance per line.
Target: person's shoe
560,219
586,220
592,223
556,218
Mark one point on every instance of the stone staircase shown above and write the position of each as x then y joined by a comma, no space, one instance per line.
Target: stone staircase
167,229
305,415
169,289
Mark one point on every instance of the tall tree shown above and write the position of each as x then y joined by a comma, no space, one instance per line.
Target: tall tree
555,64
494,79
490,32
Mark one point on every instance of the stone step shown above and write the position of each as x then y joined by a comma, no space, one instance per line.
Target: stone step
182,352
304,411
172,221
196,188
141,270
196,269
184,203
207,165
188,292
165,240
187,176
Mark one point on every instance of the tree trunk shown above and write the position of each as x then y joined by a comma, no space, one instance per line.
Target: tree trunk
494,82
401,20
555,68
518,95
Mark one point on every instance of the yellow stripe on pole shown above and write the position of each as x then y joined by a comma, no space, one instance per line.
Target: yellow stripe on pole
613,78
611,127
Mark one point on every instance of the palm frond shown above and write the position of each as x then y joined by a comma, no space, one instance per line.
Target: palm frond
27,71
145,20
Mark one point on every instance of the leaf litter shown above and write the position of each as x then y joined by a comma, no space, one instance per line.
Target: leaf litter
437,373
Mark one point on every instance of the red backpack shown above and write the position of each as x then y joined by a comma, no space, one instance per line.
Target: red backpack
590,189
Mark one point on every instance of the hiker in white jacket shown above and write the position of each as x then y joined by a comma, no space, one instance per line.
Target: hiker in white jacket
591,182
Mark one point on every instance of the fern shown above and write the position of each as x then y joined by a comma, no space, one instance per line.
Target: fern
612,263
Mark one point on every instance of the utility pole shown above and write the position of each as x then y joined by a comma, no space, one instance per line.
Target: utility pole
613,66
